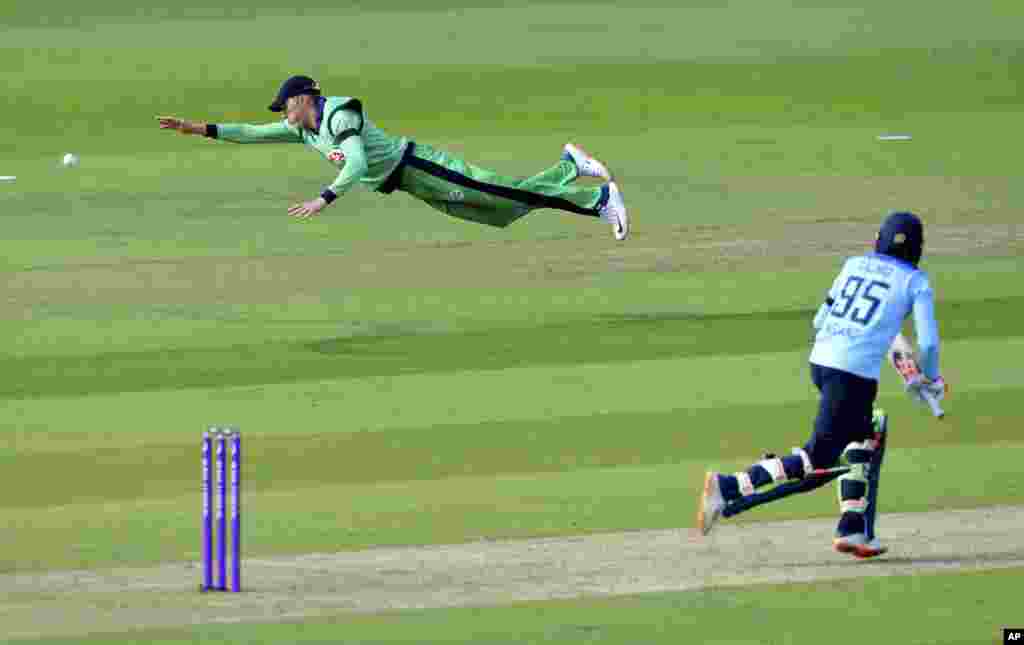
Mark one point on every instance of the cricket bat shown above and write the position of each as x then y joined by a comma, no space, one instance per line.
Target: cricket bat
901,357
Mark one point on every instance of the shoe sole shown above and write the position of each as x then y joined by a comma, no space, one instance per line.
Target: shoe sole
861,551
608,173
701,503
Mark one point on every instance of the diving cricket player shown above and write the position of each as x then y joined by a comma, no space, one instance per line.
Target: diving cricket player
338,128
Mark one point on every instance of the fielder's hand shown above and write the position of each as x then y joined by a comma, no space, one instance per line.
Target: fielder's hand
307,210
181,125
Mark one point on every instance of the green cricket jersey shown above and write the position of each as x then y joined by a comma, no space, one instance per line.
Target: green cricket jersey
344,136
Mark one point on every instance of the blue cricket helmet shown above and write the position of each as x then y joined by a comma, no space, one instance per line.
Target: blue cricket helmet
901,236
294,86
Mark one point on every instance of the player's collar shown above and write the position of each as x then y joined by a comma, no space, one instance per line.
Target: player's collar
320,103
893,259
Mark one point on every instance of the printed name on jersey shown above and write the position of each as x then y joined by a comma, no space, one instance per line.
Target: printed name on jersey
876,267
839,330
337,156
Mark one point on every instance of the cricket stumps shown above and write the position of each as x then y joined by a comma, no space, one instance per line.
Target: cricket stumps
216,446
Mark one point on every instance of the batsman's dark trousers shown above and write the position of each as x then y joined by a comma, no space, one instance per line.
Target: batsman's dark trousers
844,413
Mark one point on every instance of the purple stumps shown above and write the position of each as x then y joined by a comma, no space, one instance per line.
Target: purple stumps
236,512
207,548
216,445
222,508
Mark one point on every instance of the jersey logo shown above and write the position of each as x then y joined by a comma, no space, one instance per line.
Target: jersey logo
337,156
456,196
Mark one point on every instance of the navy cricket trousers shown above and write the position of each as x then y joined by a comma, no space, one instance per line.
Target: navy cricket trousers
844,413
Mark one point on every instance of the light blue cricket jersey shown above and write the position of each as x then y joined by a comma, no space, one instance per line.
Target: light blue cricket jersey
867,305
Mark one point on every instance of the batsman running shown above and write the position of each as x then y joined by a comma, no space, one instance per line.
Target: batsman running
862,314
337,127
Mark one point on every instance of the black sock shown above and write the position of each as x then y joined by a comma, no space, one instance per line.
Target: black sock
850,523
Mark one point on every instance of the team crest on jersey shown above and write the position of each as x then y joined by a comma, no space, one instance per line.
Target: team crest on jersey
337,156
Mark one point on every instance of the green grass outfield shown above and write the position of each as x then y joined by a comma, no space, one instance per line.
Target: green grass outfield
405,378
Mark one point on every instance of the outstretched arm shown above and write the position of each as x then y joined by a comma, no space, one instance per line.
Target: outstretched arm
277,132
354,165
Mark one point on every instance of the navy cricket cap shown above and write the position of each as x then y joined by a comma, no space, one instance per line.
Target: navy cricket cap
294,86
901,236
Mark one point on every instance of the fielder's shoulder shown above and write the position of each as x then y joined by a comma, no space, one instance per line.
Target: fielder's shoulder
342,113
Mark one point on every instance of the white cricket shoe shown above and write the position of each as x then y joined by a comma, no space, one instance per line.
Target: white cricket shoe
859,546
586,165
614,212
710,504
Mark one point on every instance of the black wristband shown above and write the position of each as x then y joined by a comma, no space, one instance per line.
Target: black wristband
329,195
211,130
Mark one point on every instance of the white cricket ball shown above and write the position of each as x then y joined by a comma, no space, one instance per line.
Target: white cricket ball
70,160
